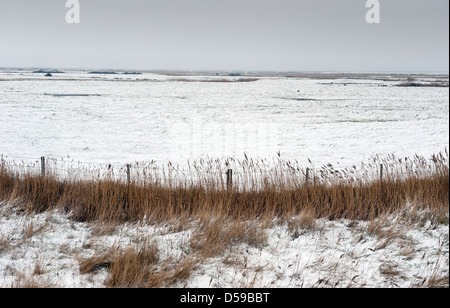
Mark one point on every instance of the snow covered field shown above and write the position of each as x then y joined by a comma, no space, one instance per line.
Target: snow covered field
46,250
121,119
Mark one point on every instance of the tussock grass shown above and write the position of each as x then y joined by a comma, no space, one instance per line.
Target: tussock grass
140,267
215,236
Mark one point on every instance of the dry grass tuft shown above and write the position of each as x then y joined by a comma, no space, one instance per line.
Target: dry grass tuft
134,267
438,282
31,282
141,267
4,242
305,222
31,229
95,263
215,236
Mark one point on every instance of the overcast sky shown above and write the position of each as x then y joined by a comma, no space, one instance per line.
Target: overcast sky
279,35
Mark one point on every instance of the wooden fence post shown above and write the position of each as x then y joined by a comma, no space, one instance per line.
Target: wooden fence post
381,172
230,180
42,166
307,175
128,174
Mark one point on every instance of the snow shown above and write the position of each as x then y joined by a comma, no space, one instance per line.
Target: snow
333,254
120,119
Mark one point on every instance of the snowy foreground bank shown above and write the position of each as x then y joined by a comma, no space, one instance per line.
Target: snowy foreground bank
408,250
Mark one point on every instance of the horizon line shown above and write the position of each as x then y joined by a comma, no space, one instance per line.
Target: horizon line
224,70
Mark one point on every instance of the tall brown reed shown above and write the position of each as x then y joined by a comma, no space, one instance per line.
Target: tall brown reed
261,189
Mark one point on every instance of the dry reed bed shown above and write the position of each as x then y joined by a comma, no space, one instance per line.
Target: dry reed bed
261,189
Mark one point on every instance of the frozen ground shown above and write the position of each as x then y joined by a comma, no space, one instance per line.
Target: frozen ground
125,118
46,250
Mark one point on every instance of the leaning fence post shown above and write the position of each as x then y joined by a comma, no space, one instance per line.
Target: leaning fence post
230,180
42,166
307,175
128,174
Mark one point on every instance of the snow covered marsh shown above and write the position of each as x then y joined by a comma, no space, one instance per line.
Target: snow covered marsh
121,119
310,210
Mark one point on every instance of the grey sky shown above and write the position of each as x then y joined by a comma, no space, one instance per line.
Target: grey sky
282,35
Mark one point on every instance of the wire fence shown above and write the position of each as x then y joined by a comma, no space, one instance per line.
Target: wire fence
225,172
